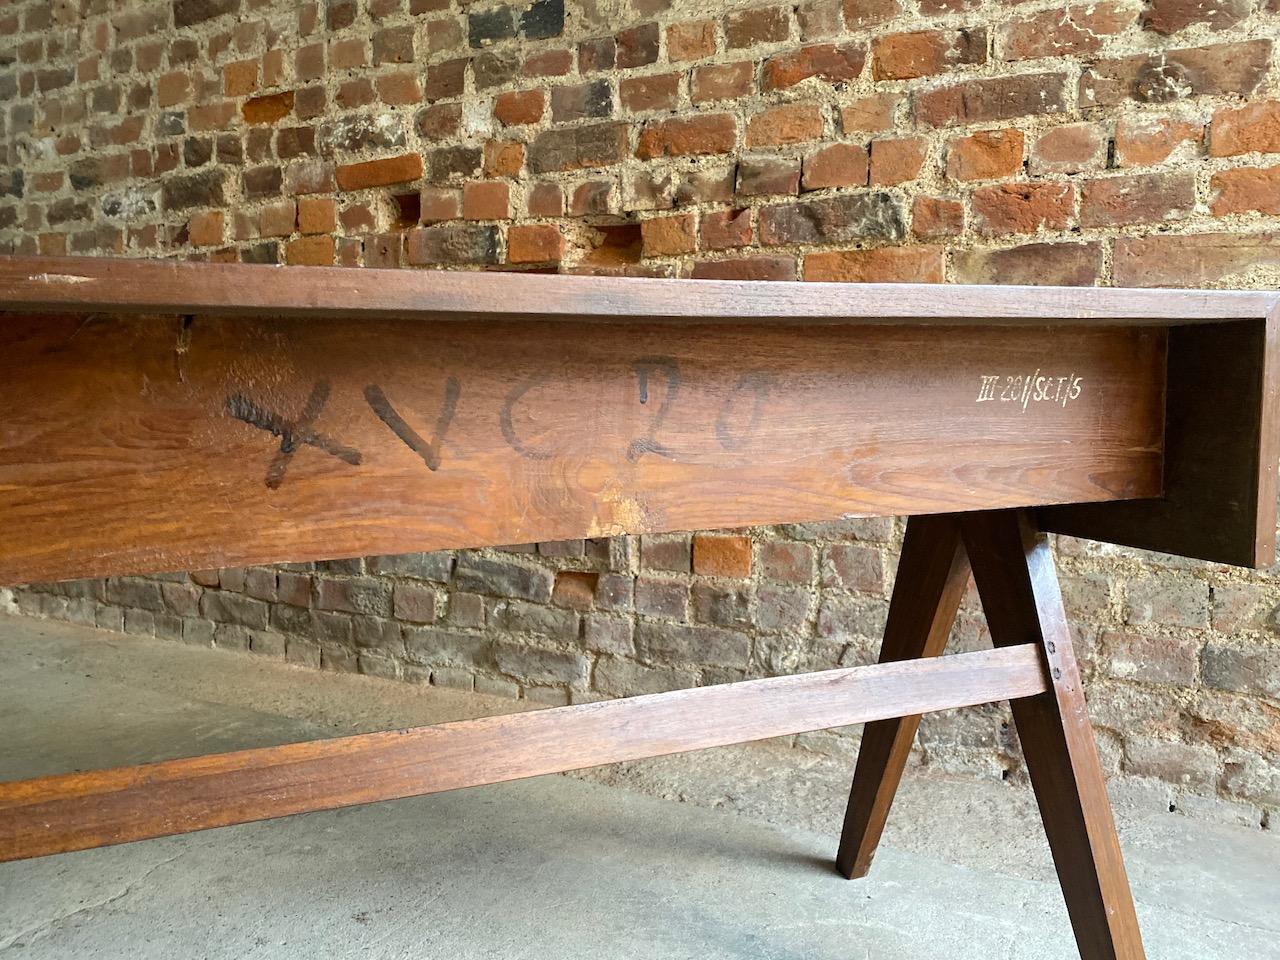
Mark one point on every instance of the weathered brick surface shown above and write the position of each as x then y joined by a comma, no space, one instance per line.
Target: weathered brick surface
969,141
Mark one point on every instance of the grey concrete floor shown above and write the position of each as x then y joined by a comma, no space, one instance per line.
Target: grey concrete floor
723,853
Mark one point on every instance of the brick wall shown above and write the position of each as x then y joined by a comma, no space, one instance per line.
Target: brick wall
1126,141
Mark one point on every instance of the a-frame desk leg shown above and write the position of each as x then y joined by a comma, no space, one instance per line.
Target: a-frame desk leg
933,574
1013,567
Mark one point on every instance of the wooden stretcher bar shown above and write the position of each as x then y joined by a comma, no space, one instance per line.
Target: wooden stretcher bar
160,416
75,811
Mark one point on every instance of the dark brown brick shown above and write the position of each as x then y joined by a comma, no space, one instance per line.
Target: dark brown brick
1171,75
577,148
865,216
986,101
1063,264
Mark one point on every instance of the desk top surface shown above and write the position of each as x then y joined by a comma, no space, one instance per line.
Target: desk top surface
117,285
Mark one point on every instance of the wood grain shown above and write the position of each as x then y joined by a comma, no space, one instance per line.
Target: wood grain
933,575
1223,428
143,443
81,810
132,286
1014,571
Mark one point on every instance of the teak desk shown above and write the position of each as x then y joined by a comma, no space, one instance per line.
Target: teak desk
162,416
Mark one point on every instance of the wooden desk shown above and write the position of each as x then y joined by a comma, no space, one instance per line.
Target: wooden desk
161,416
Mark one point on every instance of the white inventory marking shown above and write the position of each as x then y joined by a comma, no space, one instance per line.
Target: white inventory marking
1025,390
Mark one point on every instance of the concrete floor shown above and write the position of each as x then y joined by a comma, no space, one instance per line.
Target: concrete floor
605,864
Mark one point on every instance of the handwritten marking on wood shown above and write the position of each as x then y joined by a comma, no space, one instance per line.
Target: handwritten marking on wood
549,431
292,433
1031,388
428,450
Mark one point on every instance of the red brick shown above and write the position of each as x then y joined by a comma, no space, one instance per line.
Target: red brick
937,217
786,561
581,101
535,243
1142,198
206,229
347,54
897,160
317,215
1246,190
53,244
272,68
722,81
1254,127
277,218
876,265
552,63
1170,16
1063,264
1168,75
986,155
1071,31
440,121
987,101
437,204
240,78
213,116
925,53
172,89
721,556
519,107
828,62
638,46
785,123
591,198
725,229
873,114
853,566
310,251
746,268
308,62
839,165
503,158
545,200
657,92
268,109
669,236
379,173
399,89
599,53
575,589
869,13
1022,207
359,218
1194,260
707,134
1072,148
485,200
446,79
819,19
747,28
310,176
691,41
357,92
1145,141
309,102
